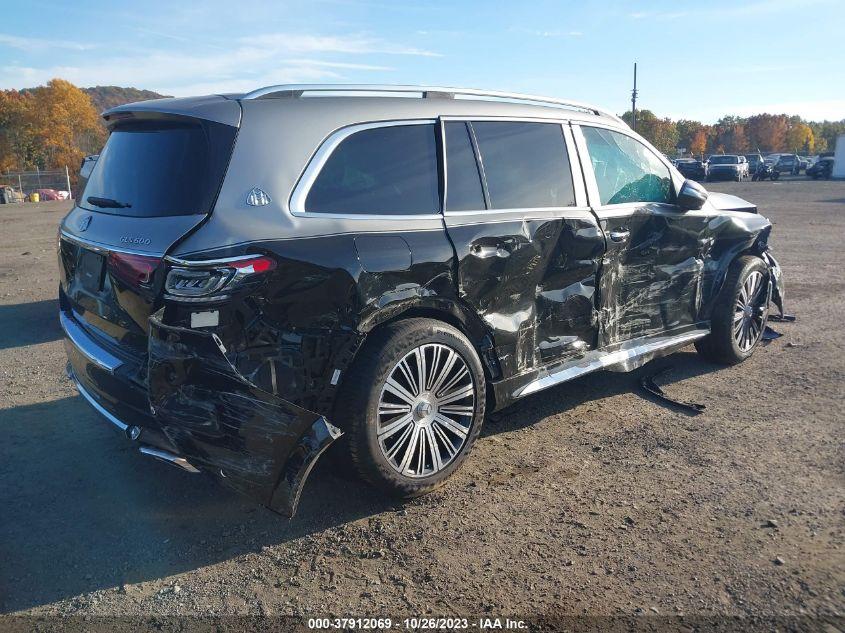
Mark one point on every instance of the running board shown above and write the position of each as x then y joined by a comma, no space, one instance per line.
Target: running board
630,356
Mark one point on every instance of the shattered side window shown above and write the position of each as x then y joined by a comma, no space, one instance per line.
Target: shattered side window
625,169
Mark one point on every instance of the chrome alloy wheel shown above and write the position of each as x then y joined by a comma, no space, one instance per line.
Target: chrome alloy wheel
425,410
751,311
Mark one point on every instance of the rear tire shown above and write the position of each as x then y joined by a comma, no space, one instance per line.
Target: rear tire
408,433
739,314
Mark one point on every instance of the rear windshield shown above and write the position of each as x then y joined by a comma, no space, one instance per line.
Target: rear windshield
724,160
160,168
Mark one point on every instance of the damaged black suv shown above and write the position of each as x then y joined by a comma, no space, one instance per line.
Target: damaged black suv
248,277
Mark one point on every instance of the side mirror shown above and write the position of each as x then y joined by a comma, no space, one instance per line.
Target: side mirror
692,196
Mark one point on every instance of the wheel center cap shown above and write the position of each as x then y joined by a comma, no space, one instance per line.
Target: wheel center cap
423,410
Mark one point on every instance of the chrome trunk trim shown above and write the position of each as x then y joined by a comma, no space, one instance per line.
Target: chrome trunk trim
108,416
86,346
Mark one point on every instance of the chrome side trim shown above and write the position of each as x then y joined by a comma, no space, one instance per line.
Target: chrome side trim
318,160
104,249
297,90
108,416
170,458
86,345
600,360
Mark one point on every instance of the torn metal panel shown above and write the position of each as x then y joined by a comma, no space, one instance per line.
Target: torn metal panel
532,282
258,443
648,383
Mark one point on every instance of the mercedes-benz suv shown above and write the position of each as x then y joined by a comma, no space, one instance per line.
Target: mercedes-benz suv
248,277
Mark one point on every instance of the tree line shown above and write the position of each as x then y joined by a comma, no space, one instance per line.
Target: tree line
58,124
733,134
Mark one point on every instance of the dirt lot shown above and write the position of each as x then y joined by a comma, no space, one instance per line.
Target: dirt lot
585,499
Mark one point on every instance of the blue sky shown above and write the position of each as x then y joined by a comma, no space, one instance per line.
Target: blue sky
697,59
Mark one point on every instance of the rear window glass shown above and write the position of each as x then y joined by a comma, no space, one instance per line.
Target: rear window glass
150,169
526,165
463,184
384,171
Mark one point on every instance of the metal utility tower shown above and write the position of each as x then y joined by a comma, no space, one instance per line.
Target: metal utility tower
634,101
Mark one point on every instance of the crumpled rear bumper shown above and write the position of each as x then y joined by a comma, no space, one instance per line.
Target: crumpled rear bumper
253,441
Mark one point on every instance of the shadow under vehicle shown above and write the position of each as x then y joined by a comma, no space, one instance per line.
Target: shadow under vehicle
340,259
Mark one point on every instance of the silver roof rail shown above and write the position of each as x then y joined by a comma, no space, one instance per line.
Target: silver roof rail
297,90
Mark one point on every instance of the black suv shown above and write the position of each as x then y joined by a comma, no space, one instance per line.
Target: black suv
285,269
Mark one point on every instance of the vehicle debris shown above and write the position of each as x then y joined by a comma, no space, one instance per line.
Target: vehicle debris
648,383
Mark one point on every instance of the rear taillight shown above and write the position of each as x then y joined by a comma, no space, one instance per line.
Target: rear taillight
206,280
133,270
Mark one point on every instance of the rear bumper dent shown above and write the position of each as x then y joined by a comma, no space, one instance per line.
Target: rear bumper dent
211,416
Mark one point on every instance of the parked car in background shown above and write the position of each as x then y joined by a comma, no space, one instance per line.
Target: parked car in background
49,194
10,195
823,168
803,163
386,268
727,167
692,168
788,164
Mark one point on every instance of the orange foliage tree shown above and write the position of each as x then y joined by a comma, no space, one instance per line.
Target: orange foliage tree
48,127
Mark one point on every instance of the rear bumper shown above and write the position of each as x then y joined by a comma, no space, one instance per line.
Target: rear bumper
197,412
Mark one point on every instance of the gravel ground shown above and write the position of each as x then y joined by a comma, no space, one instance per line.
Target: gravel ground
584,499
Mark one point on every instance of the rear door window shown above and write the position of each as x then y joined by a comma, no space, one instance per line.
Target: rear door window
625,169
161,168
463,182
384,171
526,165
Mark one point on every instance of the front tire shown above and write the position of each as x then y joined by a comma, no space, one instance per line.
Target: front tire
413,406
739,314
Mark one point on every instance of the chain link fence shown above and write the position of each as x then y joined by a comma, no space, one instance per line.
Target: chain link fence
19,186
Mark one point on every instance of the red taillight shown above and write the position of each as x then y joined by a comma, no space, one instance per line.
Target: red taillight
207,279
258,264
133,270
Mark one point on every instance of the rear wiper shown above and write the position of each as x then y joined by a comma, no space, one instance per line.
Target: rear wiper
108,203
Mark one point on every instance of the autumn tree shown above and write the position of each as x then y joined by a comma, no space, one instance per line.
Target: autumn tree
688,131
18,147
698,145
64,123
799,138
662,133
767,132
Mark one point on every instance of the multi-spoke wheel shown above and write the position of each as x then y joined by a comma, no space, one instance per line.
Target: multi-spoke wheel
425,410
412,405
750,311
739,313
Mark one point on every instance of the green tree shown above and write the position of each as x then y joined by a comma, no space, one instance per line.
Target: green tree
662,133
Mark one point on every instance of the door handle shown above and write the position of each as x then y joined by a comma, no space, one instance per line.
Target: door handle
619,236
485,252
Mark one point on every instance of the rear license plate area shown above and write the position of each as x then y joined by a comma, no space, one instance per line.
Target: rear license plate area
90,269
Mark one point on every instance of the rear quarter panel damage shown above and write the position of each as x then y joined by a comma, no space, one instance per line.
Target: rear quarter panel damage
256,442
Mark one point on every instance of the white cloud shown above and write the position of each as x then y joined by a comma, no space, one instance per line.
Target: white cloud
252,62
34,43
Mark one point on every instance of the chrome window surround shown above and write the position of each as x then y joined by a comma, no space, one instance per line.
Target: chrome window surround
621,208
572,154
298,90
315,164
318,161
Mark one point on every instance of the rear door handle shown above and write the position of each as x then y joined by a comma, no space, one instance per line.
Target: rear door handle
619,236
